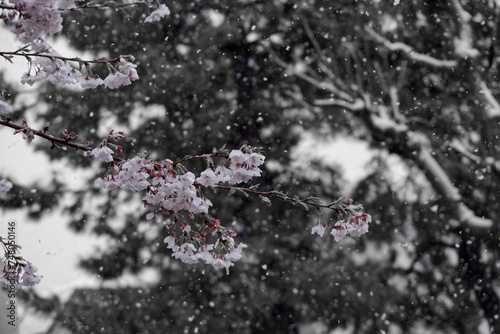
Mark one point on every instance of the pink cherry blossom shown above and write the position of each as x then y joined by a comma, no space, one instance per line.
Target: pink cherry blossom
104,154
158,14
319,229
208,178
32,79
339,233
91,82
5,186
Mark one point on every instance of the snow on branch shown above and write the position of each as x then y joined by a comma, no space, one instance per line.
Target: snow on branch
409,52
357,105
493,110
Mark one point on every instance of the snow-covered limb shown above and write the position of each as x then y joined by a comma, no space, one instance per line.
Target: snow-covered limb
464,44
493,108
410,53
5,186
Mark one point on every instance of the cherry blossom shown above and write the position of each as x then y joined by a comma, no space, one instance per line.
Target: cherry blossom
158,14
116,79
38,18
356,226
104,154
167,188
17,271
319,229
29,79
339,233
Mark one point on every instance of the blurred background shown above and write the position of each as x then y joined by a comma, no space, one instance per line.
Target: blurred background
390,103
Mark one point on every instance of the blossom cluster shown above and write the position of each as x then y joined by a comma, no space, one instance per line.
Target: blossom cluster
243,168
31,20
18,274
34,19
5,108
169,189
17,271
158,14
355,225
220,255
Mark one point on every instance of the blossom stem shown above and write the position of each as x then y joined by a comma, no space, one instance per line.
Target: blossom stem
281,196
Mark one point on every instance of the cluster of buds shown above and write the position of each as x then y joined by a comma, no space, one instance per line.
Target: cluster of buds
28,133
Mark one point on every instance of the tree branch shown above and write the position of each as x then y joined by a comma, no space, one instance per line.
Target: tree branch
54,140
410,53
357,105
493,108
463,45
